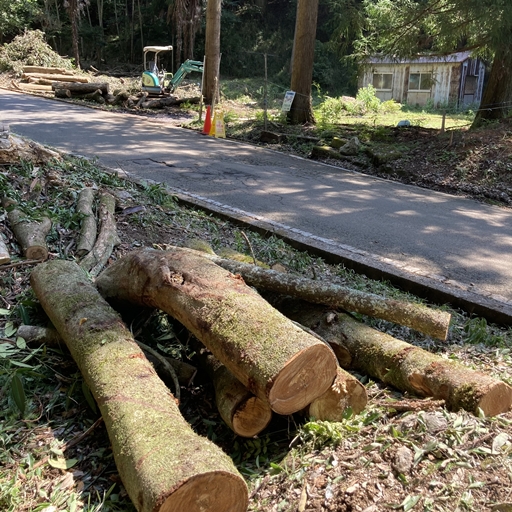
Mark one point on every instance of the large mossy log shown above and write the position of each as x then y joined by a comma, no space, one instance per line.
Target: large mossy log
402,365
417,316
264,350
163,464
79,89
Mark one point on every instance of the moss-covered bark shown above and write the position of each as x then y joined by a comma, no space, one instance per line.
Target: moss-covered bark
403,365
107,239
163,464
88,229
429,321
273,358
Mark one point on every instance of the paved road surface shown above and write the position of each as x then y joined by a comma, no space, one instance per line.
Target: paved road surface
429,234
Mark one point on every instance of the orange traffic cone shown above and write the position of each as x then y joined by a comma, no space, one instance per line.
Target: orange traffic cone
207,121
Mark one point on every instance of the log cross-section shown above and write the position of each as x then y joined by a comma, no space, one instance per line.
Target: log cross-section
164,465
276,360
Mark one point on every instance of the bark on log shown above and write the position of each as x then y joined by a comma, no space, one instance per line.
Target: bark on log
30,235
346,391
33,87
14,149
4,252
62,93
243,412
421,318
404,366
168,102
56,77
88,229
163,464
107,239
264,350
82,88
47,71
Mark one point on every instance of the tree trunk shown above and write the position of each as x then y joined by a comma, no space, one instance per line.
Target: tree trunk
163,464
345,392
302,61
58,78
404,366
36,335
94,261
81,88
264,350
212,50
88,227
497,96
168,102
46,70
243,412
33,87
432,322
30,235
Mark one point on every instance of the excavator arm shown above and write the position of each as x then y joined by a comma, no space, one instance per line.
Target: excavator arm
187,67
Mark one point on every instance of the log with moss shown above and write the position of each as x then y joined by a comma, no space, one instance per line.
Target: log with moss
405,366
417,316
163,463
107,239
264,350
88,228
80,89
243,412
30,234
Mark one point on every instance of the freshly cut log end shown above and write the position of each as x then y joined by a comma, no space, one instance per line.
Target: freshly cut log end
346,391
252,417
210,492
36,253
497,400
306,376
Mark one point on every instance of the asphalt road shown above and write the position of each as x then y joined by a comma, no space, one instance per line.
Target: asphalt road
444,239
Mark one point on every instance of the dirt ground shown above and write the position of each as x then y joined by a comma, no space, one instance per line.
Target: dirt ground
400,453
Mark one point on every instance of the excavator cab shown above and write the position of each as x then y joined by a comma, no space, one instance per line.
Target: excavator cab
155,81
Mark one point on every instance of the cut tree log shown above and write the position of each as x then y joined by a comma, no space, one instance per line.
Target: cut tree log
243,412
33,87
345,392
417,316
47,71
402,365
56,77
31,235
168,102
95,260
78,89
88,228
164,465
14,149
270,355
4,252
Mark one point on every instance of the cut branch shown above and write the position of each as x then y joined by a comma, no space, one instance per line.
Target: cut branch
404,366
163,464
421,318
31,235
88,225
263,349
4,252
107,239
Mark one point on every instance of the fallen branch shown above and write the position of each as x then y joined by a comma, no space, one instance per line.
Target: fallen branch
31,235
417,316
88,228
107,239
163,463
402,365
263,349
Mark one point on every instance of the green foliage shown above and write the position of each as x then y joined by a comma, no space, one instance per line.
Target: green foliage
30,49
16,15
368,99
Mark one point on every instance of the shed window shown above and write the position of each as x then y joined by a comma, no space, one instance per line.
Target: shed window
382,81
420,81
